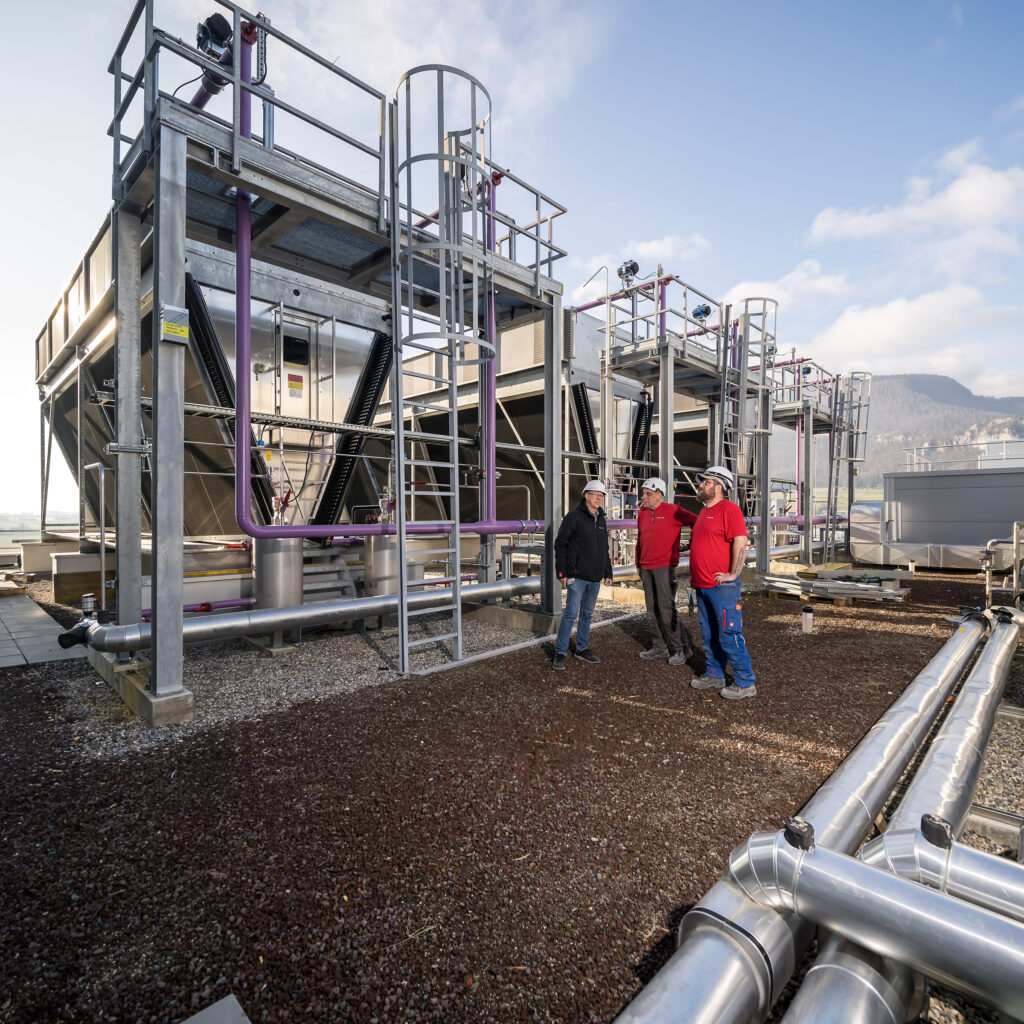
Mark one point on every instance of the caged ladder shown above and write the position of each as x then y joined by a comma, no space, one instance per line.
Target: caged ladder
442,274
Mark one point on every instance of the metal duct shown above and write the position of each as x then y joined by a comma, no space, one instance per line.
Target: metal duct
943,786
735,956
967,948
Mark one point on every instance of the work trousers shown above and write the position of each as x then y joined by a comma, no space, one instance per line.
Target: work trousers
667,633
721,625
580,596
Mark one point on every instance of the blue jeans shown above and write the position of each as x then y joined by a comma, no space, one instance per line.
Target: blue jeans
721,625
580,596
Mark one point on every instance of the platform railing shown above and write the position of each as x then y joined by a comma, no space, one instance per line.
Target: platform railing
144,83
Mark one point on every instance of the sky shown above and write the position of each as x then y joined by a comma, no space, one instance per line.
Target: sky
862,163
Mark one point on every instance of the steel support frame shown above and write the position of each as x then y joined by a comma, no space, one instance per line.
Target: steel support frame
126,236
168,463
554,505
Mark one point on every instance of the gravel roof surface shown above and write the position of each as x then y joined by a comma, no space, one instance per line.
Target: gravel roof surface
490,843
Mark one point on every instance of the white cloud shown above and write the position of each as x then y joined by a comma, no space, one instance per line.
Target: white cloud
802,284
978,195
517,52
947,331
956,16
1015,106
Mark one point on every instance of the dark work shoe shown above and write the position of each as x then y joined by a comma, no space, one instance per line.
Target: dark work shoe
588,656
653,654
707,683
558,662
734,692
679,659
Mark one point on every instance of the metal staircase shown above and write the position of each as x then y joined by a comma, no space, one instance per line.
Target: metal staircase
326,575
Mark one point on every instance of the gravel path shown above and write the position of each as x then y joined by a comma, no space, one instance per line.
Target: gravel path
331,842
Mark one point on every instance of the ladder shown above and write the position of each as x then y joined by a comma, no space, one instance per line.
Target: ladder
442,299
847,444
744,410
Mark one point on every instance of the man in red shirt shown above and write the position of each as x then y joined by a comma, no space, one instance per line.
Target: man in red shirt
657,555
718,549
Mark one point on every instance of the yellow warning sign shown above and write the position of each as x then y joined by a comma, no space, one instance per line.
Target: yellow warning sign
176,330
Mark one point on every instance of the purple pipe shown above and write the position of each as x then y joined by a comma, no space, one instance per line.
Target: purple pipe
202,97
208,606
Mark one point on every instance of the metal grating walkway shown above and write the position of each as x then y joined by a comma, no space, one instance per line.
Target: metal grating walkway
28,636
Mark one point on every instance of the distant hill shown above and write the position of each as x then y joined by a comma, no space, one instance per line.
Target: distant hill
928,410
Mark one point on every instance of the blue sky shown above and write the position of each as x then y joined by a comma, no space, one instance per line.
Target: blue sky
862,163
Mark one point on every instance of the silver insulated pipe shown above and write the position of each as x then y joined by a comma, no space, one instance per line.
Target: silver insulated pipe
851,985
970,949
736,955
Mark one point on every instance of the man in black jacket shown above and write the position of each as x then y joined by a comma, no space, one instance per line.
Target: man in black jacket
582,562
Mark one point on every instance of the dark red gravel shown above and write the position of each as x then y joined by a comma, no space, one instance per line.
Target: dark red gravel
495,843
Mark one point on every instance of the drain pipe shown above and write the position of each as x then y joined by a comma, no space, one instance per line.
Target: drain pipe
967,948
735,955
843,986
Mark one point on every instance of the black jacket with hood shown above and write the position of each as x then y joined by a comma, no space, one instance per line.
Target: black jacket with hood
581,547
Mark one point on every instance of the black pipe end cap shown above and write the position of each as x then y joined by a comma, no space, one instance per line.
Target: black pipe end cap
799,834
937,831
77,634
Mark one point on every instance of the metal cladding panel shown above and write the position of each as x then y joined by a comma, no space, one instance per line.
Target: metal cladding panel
318,385
962,508
866,532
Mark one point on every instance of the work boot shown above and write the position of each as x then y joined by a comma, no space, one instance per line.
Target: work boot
679,658
558,662
707,683
588,656
653,654
734,692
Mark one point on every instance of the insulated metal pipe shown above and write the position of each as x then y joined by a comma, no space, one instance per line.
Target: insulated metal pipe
735,955
943,786
270,620
967,948
975,876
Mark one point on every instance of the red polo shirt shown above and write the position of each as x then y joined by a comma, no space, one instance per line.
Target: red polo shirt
711,541
657,542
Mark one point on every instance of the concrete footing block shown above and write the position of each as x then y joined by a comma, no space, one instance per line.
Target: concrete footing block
514,618
130,681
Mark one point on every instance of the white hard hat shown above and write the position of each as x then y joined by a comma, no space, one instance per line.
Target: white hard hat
655,483
595,485
719,473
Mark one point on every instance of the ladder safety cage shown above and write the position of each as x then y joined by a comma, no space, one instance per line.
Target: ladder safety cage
745,406
442,281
